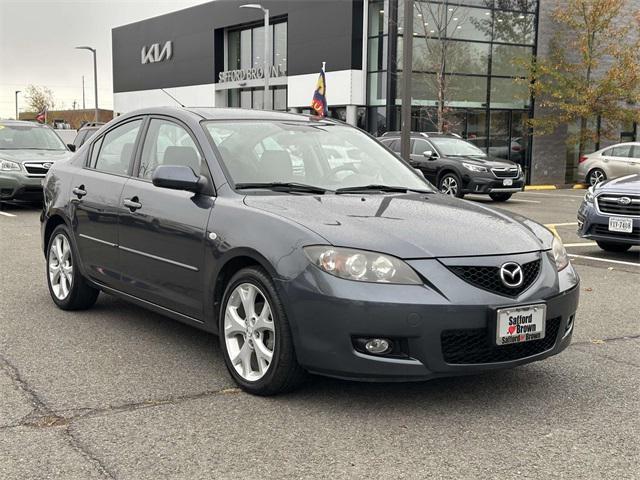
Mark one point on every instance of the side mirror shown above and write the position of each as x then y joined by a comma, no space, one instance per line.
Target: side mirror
71,147
420,173
178,177
428,154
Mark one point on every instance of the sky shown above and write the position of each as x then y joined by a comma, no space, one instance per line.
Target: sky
37,40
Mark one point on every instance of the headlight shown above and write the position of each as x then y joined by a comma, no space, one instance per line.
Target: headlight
519,169
473,168
589,196
7,165
559,254
361,265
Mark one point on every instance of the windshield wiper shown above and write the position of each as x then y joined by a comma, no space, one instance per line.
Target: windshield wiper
380,188
282,187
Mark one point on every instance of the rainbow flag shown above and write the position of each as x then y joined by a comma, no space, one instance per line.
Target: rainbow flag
319,102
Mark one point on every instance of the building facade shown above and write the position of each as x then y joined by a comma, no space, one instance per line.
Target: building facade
468,55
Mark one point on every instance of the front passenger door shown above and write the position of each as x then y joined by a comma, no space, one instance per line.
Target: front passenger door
428,165
162,236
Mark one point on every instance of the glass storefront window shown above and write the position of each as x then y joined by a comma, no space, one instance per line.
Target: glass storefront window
467,57
507,93
245,49
514,27
280,98
510,60
377,88
467,91
469,23
257,57
233,52
245,98
378,19
280,45
377,54
515,5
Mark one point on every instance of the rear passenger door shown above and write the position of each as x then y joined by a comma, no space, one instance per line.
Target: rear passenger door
617,160
95,200
162,240
634,160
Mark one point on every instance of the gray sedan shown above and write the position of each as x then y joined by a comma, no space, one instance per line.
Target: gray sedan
610,162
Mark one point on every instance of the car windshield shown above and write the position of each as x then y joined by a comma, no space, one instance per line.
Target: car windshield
28,137
455,147
313,154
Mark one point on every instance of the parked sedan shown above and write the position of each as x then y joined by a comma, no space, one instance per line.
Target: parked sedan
458,167
610,214
246,224
610,162
27,151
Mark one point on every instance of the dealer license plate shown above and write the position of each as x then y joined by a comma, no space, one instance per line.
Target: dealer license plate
623,225
521,324
507,182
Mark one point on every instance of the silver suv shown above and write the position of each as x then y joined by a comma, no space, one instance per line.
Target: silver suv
610,162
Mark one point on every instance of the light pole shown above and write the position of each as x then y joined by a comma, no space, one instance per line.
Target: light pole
267,50
95,77
407,68
17,92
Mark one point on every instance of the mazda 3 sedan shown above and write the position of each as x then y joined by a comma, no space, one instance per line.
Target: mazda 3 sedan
305,245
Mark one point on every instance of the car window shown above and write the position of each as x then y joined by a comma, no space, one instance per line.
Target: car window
31,137
635,153
455,147
621,151
95,149
79,140
420,146
90,133
116,150
168,143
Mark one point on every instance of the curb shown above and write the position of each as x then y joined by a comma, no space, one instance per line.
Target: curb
577,186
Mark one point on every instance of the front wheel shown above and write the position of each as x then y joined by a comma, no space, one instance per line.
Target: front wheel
613,246
500,197
450,185
255,336
68,288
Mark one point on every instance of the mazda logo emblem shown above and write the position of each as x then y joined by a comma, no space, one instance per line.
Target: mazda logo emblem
511,274
624,200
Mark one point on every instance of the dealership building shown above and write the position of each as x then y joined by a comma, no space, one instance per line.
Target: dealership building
213,55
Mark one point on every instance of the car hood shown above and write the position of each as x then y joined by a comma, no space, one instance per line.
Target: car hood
488,161
22,156
408,225
626,184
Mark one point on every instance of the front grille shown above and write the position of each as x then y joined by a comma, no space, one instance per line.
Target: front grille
610,204
37,169
511,172
467,346
604,230
488,278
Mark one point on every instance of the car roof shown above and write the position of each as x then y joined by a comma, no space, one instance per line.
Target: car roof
421,135
24,123
220,113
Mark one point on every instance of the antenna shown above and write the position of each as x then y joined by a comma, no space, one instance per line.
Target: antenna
173,98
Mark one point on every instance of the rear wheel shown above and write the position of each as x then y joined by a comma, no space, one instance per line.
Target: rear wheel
255,336
613,246
450,184
500,197
68,288
596,176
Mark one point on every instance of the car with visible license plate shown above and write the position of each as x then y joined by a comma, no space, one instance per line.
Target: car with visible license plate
610,213
457,167
27,151
305,245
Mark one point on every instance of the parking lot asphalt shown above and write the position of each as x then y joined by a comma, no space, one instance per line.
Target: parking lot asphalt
119,392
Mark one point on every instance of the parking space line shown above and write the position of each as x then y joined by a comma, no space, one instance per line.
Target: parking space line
7,214
620,262
516,200
581,244
568,224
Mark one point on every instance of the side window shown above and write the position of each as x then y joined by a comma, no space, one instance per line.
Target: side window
79,140
168,143
420,146
116,150
621,151
94,152
636,152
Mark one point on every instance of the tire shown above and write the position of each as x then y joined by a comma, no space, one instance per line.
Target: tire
613,246
245,335
500,197
596,176
450,184
78,294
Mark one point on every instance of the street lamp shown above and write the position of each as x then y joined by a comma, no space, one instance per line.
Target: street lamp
267,50
95,76
17,92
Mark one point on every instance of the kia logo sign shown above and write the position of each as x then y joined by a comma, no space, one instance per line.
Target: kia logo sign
511,274
154,53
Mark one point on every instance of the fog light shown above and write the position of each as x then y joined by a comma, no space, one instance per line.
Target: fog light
377,346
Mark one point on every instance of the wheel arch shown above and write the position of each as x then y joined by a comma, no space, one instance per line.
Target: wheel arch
52,222
444,171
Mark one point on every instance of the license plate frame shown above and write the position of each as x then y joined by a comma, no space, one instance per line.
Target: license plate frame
620,225
539,319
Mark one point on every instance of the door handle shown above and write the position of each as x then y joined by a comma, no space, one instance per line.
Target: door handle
132,203
79,191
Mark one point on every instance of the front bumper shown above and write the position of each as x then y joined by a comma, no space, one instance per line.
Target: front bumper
18,186
594,225
327,313
489,183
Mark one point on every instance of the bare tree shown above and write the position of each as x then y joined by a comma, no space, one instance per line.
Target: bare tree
39,97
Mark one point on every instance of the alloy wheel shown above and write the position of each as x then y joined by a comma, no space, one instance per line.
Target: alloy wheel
596,177
249,332
60,267
449,186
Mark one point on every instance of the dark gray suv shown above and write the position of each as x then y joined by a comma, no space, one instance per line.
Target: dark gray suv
305,245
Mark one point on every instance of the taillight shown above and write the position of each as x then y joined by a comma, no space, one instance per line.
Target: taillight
583,158
516,148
